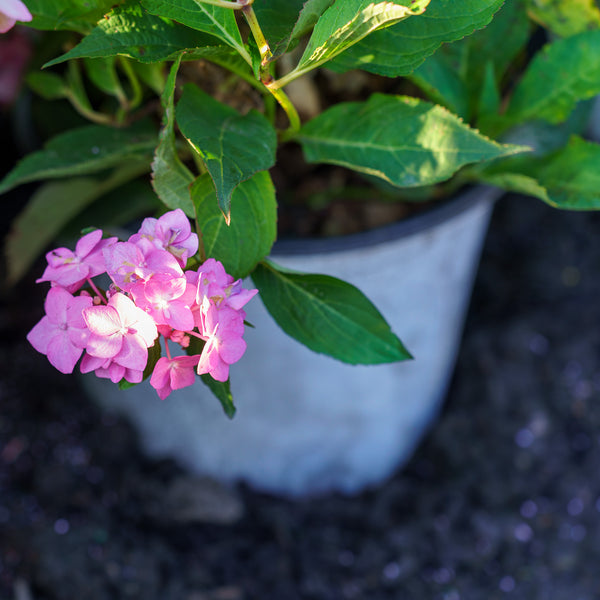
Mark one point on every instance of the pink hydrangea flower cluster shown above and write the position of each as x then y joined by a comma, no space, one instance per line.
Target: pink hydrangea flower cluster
151,295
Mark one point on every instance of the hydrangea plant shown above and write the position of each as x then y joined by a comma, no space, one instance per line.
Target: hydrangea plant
488,91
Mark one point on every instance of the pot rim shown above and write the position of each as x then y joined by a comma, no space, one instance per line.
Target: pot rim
442,211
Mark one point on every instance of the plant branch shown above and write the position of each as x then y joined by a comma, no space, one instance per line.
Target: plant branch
222,3
136,88
259,37
290,111
264,70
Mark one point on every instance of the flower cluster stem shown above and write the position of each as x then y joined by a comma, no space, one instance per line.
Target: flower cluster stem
95,288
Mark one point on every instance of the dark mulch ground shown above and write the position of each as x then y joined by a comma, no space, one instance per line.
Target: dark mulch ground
502,499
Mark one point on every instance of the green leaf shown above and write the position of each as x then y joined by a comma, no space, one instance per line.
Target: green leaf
476,56
125,385
345,24
233,147
75,15
171,179
51,208
519,183
129,30
84,150
571,176
489,101
544,137
48,210
405,141
568,179
48,85
250,236
277,19
442,84
400,49
327,315
565,17
211,19
77,92
154,353
103,74
559,76
111,212
222,391
152,74
309,15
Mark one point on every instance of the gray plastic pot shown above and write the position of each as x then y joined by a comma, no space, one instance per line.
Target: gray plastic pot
307,423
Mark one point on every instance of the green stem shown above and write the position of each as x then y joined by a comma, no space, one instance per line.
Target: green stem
88,113
270,106
290,111
222,3
134,81
264,71
77,96
235,68
259,37
283,81
98,292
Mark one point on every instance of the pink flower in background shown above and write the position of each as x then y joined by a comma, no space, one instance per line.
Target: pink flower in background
12,11
70,269
171,232
173,374
15,51
120,331
62,333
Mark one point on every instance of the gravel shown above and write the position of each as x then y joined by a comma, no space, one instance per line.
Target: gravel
501,500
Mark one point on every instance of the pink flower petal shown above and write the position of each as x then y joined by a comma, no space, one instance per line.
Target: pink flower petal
6,23
90,363
220,371
62,354
116,372
133,353
102,346
180,316
134,376
78,337
183,376
15,9
161,261
103,320
75,309
56,304
160,375
163,392
240,296
146,328
232,351
41,334
87,243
